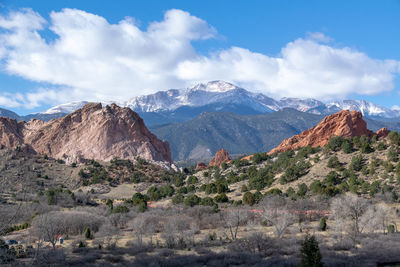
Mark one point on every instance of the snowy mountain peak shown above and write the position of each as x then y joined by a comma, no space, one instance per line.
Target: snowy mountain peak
66,108
215,87
366,108
224,96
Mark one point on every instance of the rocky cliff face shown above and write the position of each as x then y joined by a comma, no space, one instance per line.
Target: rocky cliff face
343,123
10,133
220,157
92,132
382,133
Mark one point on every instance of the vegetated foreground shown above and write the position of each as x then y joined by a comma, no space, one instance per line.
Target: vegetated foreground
337,204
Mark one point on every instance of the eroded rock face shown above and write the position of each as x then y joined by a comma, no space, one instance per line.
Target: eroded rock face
11,133
220,157
201,166
383,132
344,123
92,132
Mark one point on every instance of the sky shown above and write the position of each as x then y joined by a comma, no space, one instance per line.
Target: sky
54,52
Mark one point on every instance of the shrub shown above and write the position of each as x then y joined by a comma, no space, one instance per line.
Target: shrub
294,171
224,166
258,196
332,178
221,198
142,206
244,188
334,162
137,198
381,146
192,200
391,229
192,180
182,190
87,233
274,191
357,163
322,224
392,155
291,193
178,199
335,143
347,146
248,199
316,187
302,190
120,209
394,138
366,148
310,254
259,157
207,201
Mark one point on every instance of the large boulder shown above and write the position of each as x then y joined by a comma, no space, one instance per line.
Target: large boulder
221,156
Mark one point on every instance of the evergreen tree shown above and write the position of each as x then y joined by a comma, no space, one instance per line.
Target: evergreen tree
310,255
322,224
88,233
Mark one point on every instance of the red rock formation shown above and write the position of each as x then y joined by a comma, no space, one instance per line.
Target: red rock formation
201,166
343,123
92,132
220,157
11,132
383,132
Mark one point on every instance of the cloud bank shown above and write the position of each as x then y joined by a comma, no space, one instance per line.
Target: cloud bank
81,56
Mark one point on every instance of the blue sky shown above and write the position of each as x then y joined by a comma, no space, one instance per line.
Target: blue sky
275,37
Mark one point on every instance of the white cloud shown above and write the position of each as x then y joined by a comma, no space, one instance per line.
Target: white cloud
91,59
395,107
319,37
10,100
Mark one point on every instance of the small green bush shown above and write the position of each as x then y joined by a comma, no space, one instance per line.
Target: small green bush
322,224
310,254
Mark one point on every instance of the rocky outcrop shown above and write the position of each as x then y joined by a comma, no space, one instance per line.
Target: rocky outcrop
343,123
11,134
201,166
220,157
93,132
383,132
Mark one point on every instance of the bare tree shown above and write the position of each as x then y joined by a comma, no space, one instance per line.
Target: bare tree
348,210
47,227
139,227
107,236
276,212
376,217
176,231
232,219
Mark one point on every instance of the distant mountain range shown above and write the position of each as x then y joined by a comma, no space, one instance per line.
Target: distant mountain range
198,121
175,105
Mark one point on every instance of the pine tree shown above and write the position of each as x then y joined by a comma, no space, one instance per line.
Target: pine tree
322,224
310,255
88,233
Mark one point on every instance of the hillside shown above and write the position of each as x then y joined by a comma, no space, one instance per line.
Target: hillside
201,137
204,135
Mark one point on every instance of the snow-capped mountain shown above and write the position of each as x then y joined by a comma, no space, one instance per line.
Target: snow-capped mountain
201,95
303,105
366,108
177,105
66,108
